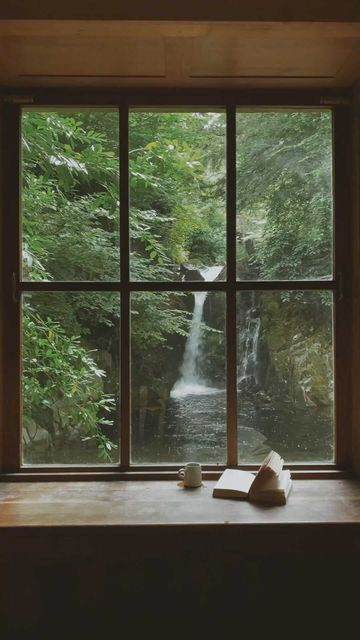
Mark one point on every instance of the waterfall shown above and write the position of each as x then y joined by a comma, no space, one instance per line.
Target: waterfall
249,346
190,381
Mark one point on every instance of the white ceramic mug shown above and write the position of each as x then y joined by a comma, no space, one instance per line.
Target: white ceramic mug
191,474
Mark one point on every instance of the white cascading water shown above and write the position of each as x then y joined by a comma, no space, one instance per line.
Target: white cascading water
248,362
190,381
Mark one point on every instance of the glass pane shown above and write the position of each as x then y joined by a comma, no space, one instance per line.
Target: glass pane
178,377
284,195
70,194
177,195
285,375
70,378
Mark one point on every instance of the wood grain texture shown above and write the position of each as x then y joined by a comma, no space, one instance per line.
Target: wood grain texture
163,503
179,53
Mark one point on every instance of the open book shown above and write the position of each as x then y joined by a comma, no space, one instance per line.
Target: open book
270,484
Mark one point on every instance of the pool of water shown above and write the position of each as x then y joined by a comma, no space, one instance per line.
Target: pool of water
195,429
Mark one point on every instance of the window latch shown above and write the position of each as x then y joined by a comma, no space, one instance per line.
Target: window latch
14,289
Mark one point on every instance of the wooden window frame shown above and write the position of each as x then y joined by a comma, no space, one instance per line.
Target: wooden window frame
340,285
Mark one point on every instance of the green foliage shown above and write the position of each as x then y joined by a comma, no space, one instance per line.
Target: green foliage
70,198
62,387
177,190
70,225
285,193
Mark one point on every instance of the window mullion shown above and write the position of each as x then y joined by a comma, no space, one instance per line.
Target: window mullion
125,293
231,359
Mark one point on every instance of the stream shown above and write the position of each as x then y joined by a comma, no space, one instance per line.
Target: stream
196,430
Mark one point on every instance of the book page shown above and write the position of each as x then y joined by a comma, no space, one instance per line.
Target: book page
234,480
270,468
272,464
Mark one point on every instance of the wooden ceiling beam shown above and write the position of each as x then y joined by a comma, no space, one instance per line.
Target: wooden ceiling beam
204,54
256,10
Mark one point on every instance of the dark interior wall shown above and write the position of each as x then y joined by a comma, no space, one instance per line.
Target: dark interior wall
162,583
274,10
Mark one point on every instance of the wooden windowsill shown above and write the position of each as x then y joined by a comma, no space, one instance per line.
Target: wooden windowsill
165,504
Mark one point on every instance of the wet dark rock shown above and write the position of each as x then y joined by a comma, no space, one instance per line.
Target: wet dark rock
251,390
190,272
248,384
261,396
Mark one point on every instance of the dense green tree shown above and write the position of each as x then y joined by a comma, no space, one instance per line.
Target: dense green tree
177,190
284,180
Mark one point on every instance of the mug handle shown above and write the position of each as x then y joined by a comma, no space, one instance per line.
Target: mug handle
181,474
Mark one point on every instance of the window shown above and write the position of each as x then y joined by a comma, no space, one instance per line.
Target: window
174,276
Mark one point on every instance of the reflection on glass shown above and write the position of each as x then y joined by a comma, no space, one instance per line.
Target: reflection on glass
70,378
285,375
70,194
178,377
284,195
177,194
